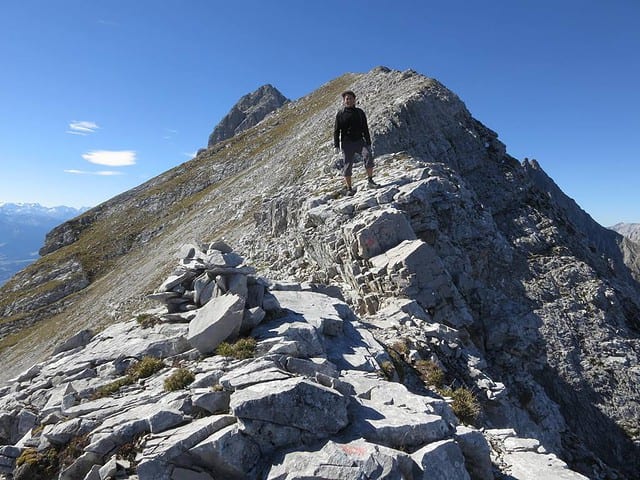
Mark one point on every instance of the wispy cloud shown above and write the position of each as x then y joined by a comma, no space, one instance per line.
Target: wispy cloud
103,173
169,133
190,155
111,158
109,23
82,127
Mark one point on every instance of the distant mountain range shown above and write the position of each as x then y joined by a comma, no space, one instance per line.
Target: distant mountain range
23,227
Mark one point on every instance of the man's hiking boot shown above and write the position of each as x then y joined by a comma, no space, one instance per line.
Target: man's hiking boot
349,191
372,184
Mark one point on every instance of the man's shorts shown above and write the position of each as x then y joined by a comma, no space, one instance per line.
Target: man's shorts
351,149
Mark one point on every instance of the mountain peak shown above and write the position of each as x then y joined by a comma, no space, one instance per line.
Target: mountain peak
247,112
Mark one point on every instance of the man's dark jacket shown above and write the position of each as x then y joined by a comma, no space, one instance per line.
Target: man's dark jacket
351,125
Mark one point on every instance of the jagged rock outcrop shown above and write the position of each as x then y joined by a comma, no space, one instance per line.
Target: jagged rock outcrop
629,230
310,403
249,110
465,258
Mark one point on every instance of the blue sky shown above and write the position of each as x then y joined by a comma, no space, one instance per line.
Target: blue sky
98,96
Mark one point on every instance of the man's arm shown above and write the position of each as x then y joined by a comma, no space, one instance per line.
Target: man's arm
336,132
365,128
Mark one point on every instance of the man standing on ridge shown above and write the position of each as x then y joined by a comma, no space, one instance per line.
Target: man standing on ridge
351,133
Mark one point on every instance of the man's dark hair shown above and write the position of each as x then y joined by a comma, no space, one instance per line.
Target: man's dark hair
348,92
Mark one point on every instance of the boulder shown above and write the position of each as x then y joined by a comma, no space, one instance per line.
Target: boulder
216,322
294,402
354,460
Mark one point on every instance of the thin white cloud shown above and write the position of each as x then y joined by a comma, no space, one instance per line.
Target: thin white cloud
169,133
190,155
108,23
102,173
111,158
82,127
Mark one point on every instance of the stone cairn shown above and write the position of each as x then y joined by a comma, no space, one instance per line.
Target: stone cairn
216,293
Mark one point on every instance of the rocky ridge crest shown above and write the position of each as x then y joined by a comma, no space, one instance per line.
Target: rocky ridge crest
249,111
536,305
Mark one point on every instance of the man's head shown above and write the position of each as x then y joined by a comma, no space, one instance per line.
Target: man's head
349,98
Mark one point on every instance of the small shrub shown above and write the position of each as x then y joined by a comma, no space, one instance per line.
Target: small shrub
217,387
430,373
112,387
147,320
465,405
242,349
34,465
145,367
72,450
387,370
179,380
398,364
28,456
401,347
129,451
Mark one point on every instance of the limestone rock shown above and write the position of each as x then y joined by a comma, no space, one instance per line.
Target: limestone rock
216,322
357,460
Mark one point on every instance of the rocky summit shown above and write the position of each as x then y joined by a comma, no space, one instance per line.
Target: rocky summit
250,110
465,320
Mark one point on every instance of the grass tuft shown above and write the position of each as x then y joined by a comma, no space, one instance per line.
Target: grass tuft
241,349
179,379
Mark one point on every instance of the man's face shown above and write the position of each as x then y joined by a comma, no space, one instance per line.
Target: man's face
349,100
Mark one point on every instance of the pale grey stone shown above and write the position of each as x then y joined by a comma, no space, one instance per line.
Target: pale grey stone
251,319
165,419
61,433
377,231
109,469
536,466
271,436
259,371
61,399
395,427
311,367
212,401
476,451
81,466
176,279
294,402
441,460
318,310
215,322
227,452
304,338
80,339
337,461
160,449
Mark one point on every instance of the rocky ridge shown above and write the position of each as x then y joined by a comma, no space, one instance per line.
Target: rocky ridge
312,403
528,302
